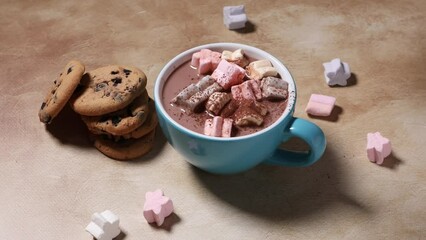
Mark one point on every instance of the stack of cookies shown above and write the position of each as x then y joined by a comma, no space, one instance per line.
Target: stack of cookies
112,102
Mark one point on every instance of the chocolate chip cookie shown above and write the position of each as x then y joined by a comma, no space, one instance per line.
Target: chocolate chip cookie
123,121
108,89
124,149
61,91
147,126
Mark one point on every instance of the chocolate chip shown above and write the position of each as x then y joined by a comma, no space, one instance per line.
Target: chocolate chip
118,98
140,80
43,105
116,81
100,86
126,71
116,120
114,72
69,70
54,82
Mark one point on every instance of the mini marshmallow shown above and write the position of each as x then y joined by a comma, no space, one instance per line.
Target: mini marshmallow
192,96
259,107
260,69
274,88
236,57
186,93
217,101
378,147
320,105
250,113
218,127
246,116
157,207
234,17
195,101
228,74
205,61
336,72
229,108
247,90
227,127
104,226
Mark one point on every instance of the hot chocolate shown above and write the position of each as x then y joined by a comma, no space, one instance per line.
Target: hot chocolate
207,98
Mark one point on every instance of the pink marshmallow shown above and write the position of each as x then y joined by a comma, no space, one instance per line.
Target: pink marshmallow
205,60
227,127
195,60
320,105
247,90
216,58
218,127
378,147
228,74
157,207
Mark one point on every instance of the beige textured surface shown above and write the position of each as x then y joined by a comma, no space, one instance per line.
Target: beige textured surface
52,180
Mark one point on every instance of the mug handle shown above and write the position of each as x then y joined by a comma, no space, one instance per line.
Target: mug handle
308,132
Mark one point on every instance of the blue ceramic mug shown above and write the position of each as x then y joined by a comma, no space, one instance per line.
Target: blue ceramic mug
237,154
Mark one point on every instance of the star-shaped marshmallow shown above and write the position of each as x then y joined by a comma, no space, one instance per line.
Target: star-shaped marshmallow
378,147
234,17
157,207
104,226
336,72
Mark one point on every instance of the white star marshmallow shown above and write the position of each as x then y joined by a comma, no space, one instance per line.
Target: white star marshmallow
336,72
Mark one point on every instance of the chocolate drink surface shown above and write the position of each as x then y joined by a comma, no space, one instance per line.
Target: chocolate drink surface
185,75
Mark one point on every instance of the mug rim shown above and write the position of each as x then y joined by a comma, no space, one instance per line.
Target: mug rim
159,84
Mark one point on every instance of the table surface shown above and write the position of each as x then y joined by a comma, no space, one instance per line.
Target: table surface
53,179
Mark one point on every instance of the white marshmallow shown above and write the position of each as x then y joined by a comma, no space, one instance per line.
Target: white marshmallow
104,226
336,72
260,69
234,17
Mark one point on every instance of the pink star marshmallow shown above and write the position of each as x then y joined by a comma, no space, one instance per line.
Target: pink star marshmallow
205,60
378,147
320,105
157,207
